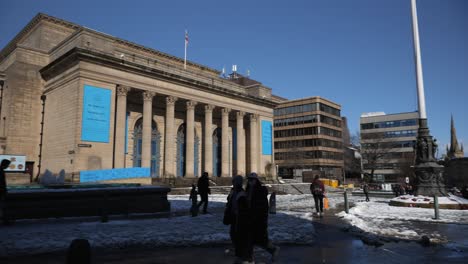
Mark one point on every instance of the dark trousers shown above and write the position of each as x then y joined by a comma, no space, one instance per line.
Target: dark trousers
367,197
318,198
3,214
204,201
259,238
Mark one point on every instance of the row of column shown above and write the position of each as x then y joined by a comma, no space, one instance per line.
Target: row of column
170,136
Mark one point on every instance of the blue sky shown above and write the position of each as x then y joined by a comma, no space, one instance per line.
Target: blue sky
357,53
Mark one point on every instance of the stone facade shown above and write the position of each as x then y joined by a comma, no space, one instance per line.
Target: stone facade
162,115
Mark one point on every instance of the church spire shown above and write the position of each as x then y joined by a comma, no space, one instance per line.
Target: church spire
455,150
453,136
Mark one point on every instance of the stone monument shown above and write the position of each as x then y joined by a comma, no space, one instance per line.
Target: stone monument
429,174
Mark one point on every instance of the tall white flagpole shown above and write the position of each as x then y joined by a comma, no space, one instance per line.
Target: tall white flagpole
185,56
417,56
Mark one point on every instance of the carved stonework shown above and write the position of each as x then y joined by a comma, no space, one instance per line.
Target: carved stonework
122,90
429,174
225,111
253,117
209,108
240,114
148,96
170,100
191,105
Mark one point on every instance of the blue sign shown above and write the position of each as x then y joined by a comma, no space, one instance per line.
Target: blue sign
126,132
95,121
114,174
267,137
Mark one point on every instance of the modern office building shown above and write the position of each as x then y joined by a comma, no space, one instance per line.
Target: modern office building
77,99
308,137
387,142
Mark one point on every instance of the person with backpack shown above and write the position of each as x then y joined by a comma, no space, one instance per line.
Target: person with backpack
318,190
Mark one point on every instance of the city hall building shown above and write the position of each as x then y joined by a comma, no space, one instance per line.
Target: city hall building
76,99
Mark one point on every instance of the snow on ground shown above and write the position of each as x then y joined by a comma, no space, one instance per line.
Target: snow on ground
291,224
410,199
379,218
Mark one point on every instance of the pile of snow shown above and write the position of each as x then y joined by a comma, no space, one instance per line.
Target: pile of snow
381,219
410,199
291,224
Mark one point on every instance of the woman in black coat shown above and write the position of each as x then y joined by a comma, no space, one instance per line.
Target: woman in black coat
258,211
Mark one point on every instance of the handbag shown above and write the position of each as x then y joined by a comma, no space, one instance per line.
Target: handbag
227,218
325,203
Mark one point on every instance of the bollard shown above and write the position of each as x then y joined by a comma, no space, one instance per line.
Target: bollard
346,202
436,206
103,209
272,203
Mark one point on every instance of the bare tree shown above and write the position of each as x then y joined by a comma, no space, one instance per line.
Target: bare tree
351,156
405,167
374,149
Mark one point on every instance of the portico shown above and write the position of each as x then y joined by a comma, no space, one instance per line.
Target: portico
100,103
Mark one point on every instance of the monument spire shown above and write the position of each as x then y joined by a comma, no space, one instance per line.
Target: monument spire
429,174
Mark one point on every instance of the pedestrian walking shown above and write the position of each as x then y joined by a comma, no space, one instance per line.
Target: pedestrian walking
236,214
318,190
396,190
194,198
204,189
3,191
365,188
257,197
409,189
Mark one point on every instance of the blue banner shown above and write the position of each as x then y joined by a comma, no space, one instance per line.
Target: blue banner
95,121
267,138
126,132
114,174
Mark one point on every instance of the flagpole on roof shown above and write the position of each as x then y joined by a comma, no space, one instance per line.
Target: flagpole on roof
186,43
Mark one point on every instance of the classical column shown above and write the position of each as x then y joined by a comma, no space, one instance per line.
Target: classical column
225,157
209,139
169,169
146,133
240,148
119,153
190,137
253,143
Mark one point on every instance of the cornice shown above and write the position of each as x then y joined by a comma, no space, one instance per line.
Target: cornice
36,20
76,55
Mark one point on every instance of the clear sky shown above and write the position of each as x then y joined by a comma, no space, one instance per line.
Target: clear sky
357,53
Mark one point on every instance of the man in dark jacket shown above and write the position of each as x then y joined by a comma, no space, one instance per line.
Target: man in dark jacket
204,189
3,190
365,188
258,208
318,189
